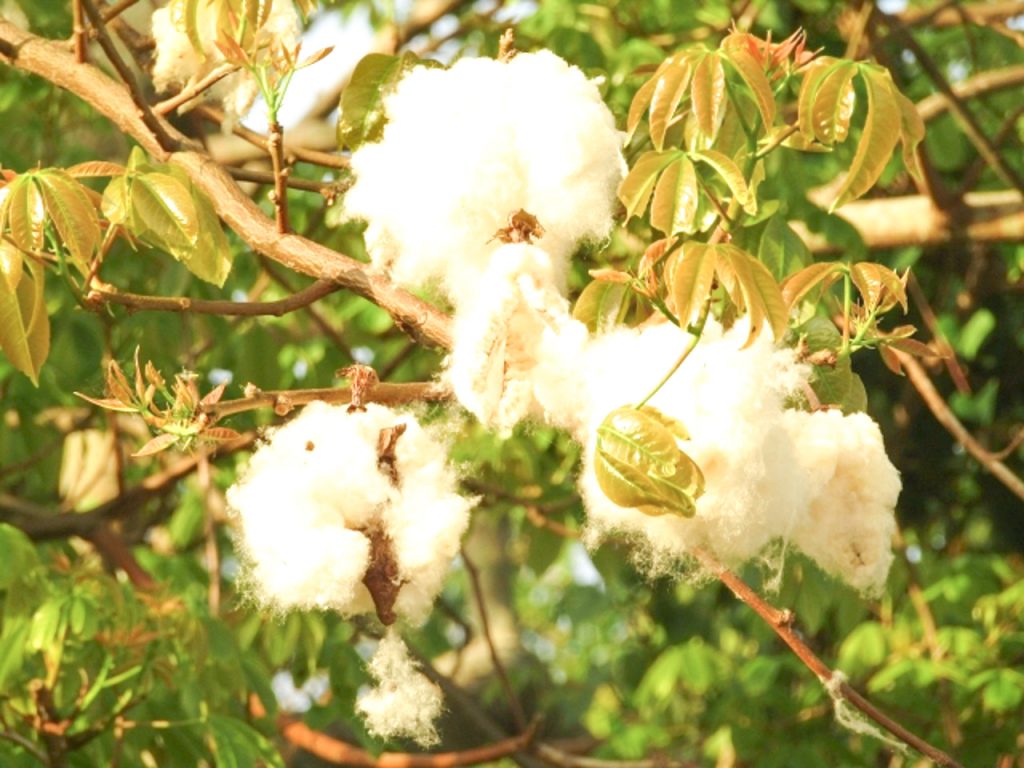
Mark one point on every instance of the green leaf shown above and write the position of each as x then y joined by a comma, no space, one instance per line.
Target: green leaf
732,175
676,198
690,273
19,555
24,324
211,258
163,209
602,305
881,132
638,186
974,333
911,133
707,93
753,288
116,204
25,212
362,117
72,213
670,87
752,74
834,100
781,249
639,464
814,76
1004,692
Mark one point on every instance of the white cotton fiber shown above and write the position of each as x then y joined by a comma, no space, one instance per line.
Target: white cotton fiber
503,337
466,147
311,492
178,63
404,704
731,402
853,487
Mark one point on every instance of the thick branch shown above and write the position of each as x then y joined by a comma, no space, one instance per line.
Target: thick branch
50,61
136,302
894,222
981,84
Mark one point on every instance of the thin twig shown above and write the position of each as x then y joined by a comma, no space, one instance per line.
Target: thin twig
190,92
499,668
328,189
111,13
145,111
284,401
135,302
781,623
279,197
922,382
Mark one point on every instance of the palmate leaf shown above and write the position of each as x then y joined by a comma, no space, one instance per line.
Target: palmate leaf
638,186
821,275
72,213
24,324
752,288
882,128
731,174
676,198
833,104
25,213
707,92
669,89
690,274
879,286
640,465
162,209
753,75
602,305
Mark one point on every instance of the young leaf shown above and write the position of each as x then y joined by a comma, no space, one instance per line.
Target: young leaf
95,168
674,208
690,273
25,213
211,258
362,118
781,249
639,464
752,287
878,285
814,76
670,87
11,265
638,186
881,132
601,305
708,94
731,175
72,213
157,444
24,324
752,74
833,103
911,133
822,273
164,208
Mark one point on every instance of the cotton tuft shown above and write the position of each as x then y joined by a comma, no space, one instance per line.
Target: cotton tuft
466,147
312,492
404,704
178,63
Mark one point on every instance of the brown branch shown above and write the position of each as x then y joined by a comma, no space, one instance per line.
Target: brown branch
953,13
279,197
781,623
151,121
190,92
329,189
50,61
284,401
78,31
291,151
111,13
982,84
338,752
99,296
499,668
922,382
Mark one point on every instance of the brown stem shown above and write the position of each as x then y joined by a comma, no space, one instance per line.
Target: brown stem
111,13
499,667
279,197
284,401
329,189
781,623
100,296
144,111
922,382
190,92
79,32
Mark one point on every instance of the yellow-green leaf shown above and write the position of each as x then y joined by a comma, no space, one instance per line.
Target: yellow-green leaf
707,93
814,76
731,175
638,186
676,196
116,205
210,259
799,284
72,213
601,305
642,100
881,132
639,464
163,206
878,285
752,74
361,117
669,89
911,133
690,273
752,287
25,213
24,325
11,265
833,104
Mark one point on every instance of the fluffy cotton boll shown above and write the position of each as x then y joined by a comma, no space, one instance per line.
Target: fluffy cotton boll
405,704
853,486
530,134
731,402
504,335
310,493
178,63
